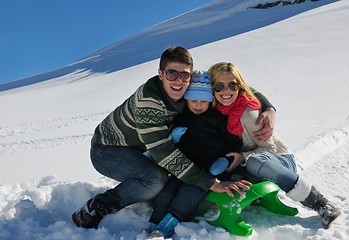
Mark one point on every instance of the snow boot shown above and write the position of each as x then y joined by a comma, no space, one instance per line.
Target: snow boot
326,210
310,197
165,227
85,217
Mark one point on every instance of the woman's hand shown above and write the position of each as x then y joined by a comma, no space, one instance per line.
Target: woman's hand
267,118
228,186
238,160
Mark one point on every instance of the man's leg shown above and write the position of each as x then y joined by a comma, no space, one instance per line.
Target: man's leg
140,179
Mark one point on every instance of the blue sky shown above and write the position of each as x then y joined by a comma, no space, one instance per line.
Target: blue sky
42,35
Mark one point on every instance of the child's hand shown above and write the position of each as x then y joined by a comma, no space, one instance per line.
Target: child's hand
238,160
219,166
177,133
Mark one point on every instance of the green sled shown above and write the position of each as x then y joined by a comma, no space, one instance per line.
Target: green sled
230,208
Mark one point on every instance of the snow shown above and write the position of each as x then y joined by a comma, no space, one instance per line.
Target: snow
300,61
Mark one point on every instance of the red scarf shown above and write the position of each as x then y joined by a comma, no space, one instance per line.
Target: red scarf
234,112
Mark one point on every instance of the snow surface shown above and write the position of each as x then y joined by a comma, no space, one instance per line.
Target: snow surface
300,63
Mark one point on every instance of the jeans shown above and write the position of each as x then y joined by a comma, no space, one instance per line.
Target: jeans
140,177
178,198
280,169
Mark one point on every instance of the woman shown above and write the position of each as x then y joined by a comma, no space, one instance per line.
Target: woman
266,160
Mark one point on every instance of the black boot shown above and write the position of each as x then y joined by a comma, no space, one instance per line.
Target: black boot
85,217
326,210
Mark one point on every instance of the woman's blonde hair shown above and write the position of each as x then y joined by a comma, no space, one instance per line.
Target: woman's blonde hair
225,67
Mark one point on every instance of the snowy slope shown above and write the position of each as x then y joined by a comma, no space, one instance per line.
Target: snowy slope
300,63
190,30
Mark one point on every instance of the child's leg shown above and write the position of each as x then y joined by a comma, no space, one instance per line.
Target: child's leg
280,169
186,201
181,209
163,200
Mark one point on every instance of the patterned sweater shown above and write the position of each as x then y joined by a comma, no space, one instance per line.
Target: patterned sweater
143,122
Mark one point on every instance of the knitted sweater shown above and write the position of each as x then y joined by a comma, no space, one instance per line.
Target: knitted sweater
143,122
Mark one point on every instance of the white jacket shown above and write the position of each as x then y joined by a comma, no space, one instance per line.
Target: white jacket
250,144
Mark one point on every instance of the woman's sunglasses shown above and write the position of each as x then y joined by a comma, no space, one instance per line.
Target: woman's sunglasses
219,86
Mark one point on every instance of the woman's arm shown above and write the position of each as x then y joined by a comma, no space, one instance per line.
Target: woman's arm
251,144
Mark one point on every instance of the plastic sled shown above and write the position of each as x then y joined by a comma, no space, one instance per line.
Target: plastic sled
230,208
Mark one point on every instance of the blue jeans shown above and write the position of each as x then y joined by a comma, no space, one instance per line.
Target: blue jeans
178,198
140,177
280,169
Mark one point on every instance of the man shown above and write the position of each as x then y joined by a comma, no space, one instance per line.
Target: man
142,124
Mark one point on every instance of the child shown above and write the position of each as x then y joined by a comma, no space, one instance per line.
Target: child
266,160
200,133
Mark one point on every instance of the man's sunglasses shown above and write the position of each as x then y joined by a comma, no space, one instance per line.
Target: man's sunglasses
172,75
219,86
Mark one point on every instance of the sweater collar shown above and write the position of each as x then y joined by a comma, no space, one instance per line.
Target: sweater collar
178,105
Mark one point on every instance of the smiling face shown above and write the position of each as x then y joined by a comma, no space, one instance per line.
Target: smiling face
174,89
227,96
198,106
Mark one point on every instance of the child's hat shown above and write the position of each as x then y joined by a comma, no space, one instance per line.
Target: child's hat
200,87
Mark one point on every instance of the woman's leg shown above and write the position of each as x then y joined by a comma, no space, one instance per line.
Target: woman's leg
280,169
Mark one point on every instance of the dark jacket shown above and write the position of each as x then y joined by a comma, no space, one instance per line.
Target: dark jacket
206,138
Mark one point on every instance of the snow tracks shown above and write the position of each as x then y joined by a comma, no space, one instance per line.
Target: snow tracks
48,133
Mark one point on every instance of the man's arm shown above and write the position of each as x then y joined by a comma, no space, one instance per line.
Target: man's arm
267,117
154,133
265,104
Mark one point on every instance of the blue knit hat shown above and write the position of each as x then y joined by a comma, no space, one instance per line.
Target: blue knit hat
200,87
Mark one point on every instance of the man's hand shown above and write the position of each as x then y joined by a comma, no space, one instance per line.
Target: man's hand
228,186
267,118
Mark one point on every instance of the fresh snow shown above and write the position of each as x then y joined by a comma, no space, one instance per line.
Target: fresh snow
300,63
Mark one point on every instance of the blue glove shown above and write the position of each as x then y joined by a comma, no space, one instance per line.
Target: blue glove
219,166
177,133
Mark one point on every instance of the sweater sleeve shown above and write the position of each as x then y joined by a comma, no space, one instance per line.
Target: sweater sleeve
265,104
251,145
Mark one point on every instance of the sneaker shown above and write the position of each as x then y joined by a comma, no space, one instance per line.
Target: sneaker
166,225
86,218
155,234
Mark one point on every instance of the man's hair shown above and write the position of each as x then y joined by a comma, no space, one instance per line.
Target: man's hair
177,55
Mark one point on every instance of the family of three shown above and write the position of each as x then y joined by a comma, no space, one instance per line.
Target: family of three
197,129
